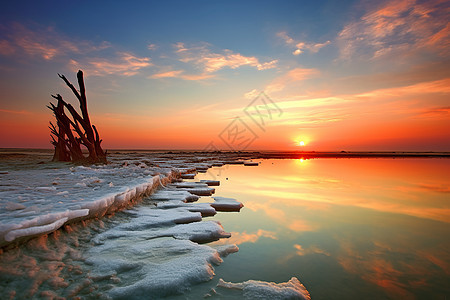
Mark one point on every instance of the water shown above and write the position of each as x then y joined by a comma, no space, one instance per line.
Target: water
347,228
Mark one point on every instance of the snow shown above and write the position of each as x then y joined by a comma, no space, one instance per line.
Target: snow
190,185
226,204
158,268
211,182
157,248
34,196
252,289
188,176
30,231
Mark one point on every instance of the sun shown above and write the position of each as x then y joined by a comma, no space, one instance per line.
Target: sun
301,143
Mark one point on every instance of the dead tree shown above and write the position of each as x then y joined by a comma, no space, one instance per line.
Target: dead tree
70,134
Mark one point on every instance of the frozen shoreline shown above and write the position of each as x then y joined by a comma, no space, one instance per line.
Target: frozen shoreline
40,199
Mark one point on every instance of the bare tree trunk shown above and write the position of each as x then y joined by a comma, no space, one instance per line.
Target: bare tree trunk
67,126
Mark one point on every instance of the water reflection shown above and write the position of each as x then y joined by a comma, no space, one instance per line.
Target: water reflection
347,228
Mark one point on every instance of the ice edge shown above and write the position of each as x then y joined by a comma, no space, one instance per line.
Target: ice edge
107,204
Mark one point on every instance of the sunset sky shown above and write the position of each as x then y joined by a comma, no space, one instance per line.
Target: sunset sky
335,75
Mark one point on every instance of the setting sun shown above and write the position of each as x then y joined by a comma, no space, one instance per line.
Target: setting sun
302,143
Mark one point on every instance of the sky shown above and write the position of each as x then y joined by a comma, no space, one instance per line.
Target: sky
232,75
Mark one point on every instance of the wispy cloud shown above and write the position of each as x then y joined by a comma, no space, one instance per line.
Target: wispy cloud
435,112
48,44
397,27
6,48
292,76
151,46
168,74
15,112
43,42
181,74
124,64
301,46
209,61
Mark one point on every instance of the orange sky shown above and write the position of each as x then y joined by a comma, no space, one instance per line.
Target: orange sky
359,76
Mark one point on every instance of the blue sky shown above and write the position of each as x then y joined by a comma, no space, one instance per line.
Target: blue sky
173,74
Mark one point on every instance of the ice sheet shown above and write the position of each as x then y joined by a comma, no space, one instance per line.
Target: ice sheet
252,289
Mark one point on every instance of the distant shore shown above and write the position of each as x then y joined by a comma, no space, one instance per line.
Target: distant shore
253,154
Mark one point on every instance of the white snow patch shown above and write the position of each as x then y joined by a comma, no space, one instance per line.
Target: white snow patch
30,231
158,268
252,289
226,204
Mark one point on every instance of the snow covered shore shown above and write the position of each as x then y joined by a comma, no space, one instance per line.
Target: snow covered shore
156,248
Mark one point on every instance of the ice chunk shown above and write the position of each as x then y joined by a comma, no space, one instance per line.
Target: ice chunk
234,162
226,204
166,195
225,250
30,231
188,176
156,268
207,191
200,232
190,185
252,289
211,182
204,208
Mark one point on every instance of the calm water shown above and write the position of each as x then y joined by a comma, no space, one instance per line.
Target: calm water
347,228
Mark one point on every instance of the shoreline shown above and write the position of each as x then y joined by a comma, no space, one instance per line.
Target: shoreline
167,168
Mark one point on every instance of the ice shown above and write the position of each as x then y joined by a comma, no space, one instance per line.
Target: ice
36,230
252,289
207,191
156,249
39,195
204,208
190,185
226,204
150,225
188,176
211,182
155,268
155,253
166,195
14,206
201,232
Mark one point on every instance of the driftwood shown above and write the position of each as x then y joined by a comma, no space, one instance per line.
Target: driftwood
70,134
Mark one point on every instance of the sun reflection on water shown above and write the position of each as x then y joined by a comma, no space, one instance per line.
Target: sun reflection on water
379,226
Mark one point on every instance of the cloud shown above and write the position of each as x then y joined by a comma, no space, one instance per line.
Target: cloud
283,35
43,42
252,94
301,46
201,56
15,112
397,27
301,226
238,238
310,250
180,74
151,46
124,64
436,112
168,74
292,76
6,48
